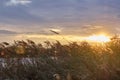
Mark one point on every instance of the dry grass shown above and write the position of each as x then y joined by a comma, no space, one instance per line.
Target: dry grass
31,61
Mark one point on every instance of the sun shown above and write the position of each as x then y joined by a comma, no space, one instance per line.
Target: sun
98,38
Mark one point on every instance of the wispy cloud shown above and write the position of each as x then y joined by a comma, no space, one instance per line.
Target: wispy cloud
7,32
70,15
18,2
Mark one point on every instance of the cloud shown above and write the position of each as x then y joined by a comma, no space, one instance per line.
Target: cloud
18,2
92,29
70,15
7,32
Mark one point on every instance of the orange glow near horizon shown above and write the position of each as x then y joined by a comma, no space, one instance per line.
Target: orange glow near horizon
77,38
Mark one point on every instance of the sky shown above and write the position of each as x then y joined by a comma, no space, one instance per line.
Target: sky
33,19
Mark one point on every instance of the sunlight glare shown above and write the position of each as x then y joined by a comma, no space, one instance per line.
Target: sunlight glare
98,38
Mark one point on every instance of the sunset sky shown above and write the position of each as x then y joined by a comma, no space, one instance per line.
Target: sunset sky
74,19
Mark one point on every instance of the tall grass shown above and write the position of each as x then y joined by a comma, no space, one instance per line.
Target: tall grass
26,60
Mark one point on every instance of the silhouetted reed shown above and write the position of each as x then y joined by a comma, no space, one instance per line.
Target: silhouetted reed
26,60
